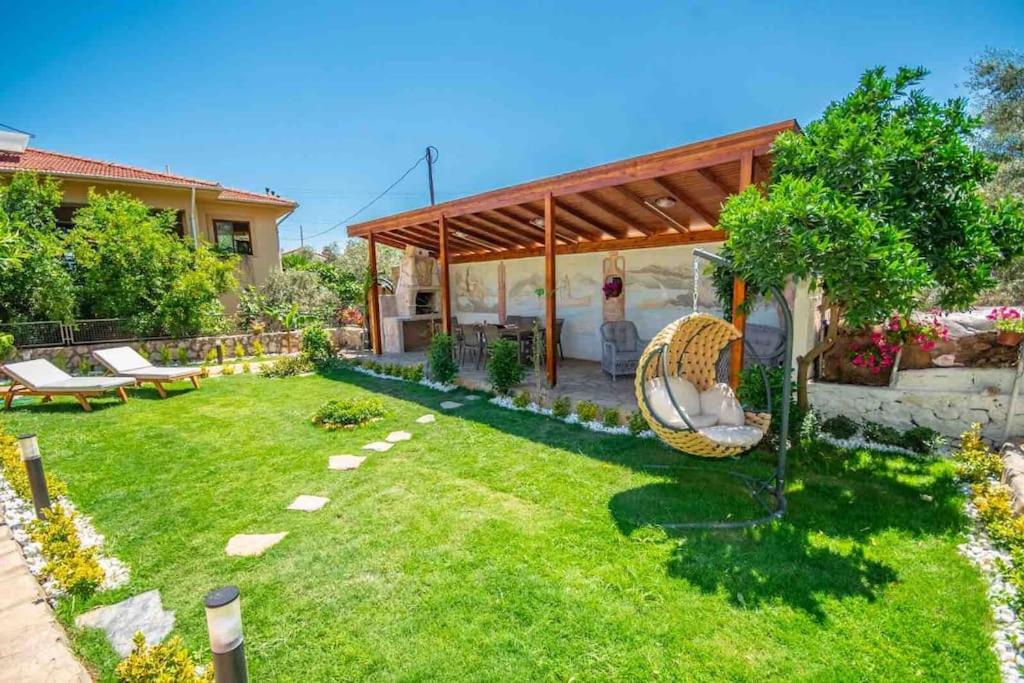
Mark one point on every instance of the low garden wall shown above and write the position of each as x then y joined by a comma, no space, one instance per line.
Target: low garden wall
947,400
74,358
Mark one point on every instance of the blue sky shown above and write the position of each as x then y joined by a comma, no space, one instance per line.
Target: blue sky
328,103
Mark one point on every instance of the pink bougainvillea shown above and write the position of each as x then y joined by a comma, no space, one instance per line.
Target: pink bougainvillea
1003,313
900,330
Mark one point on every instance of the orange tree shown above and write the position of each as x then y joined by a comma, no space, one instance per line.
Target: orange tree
875,204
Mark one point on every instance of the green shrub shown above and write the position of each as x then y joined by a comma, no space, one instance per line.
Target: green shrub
211,356
183,355
752,394
920,439
257,349
227,370
611,417
60,359
413,373
636,423
882,434
317,345
222,352
348,413
503,368
246,367
6,346
587,411
975,463
561,406
14,471
440,359
522,399
840,426
168,662
288,366
84,366
239,350
74,568
165,355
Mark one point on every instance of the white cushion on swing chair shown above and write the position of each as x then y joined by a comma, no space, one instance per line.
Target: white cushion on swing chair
721,402
689,400
742,436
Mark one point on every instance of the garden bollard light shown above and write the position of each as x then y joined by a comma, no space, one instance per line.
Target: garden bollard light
34,466
224,622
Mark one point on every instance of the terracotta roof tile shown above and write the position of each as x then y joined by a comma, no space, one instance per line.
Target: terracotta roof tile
68,165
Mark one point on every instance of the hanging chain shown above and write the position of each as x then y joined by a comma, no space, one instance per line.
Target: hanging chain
696,281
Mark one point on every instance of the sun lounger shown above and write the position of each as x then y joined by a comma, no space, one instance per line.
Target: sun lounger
125,361
42,378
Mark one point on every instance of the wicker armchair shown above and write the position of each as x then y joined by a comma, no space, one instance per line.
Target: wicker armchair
621,347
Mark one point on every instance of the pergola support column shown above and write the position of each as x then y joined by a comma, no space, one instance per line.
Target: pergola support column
374,307
739,287
551,340
442,260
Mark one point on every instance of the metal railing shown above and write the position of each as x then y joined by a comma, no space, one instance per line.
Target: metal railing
56,333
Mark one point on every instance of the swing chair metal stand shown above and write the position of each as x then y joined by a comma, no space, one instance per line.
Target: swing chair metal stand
769,493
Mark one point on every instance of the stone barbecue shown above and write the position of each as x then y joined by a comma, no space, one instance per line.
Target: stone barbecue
409,316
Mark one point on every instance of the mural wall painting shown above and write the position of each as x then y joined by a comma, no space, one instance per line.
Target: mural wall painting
614,287
472,294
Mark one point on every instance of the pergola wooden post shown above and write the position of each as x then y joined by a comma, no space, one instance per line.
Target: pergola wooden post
739,287
549,288
442,260
374,308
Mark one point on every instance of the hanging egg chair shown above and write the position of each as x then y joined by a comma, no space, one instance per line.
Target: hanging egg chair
677,392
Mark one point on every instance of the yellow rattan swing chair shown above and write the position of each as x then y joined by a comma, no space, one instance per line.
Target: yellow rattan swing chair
691,347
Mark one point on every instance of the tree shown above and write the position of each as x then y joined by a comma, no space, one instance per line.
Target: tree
129,263
877,204
35,282
996,85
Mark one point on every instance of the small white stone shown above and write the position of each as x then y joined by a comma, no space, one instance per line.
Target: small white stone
379,446
249,545
395,437
448,405
426,419
308,503
345,462
472,397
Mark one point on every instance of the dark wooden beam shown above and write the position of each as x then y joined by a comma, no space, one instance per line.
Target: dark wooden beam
549,288
739,288
375,338
665,239
688,202
446,301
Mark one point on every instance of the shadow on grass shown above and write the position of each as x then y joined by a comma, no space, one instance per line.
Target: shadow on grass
838,502
68,404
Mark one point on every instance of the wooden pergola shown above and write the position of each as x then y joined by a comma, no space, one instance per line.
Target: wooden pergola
667,198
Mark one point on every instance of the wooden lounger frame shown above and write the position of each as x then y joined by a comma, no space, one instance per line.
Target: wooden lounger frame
82,396
158,382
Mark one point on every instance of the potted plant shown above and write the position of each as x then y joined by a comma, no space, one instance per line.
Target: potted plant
1009,325
612,287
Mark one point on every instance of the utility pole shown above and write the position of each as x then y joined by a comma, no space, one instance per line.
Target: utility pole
431,159
302,239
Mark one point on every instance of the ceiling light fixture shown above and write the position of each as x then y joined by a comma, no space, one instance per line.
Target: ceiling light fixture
537,222
459,233
665,202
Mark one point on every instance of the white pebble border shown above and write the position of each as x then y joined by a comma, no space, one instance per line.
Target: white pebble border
573,419
18,513
437,386
858,442
993,562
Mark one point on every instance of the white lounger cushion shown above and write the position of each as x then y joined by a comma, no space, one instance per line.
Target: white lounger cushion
733,435
124,360
721,402
41,374
686,395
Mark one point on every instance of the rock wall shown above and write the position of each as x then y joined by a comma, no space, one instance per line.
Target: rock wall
78,360
947,400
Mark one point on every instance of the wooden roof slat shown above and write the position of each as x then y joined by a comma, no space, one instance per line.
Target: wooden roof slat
583,231
399,239
630,196
724,149
719,184
506,213
487,236
431,233
593,200
581,217
532,230
482,223
688,202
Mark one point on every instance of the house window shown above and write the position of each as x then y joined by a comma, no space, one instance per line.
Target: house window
233,236
65,215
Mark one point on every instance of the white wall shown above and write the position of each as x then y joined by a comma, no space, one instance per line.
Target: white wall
658,290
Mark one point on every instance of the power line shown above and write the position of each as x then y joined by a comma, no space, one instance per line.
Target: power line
373,201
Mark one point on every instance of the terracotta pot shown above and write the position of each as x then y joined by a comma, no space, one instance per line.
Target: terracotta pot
1008,338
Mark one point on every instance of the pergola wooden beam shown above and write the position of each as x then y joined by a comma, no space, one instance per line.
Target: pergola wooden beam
374,307
508,215
636,199
442,262
709,175
551,314
490,237
688,202
739,288
591,199
585,231
535,233
481,223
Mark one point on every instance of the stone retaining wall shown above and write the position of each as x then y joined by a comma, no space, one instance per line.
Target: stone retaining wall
72,358
947,400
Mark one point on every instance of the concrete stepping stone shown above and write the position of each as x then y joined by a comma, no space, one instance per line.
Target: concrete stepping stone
395,437
120,622
250,545
308,503
448,405
379,446
426,419
472,397
345,462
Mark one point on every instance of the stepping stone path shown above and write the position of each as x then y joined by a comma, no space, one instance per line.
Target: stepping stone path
308,503
250,545
395,437
448,405
473,397
345,462
379,446
426,419
144,612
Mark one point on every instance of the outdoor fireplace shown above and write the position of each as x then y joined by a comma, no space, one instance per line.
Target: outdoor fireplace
409,316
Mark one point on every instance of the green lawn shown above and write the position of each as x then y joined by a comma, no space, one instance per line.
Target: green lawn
507,546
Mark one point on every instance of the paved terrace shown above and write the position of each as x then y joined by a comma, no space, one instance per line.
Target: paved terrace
579,379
